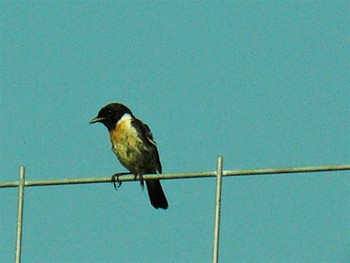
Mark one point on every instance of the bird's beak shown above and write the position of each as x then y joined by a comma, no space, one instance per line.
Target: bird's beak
97,119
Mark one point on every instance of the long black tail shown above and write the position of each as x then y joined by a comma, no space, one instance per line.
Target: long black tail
156,194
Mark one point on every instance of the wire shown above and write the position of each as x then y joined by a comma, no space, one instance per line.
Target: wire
128,178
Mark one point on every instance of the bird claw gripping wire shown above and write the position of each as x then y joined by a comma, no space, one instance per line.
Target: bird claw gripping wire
142,183
115,179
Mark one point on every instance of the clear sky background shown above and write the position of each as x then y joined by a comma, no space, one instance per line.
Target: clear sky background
265,84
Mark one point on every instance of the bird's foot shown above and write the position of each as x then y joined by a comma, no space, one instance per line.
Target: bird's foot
142,183
115,179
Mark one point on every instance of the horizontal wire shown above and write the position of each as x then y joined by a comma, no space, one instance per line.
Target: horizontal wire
128,178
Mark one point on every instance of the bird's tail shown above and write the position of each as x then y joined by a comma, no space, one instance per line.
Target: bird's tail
156,194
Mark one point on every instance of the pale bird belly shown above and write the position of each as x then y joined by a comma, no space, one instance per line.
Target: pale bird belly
128,148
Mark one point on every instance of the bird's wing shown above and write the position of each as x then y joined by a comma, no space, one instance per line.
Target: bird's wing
147,137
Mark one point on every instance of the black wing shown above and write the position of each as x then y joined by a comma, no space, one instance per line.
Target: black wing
147,137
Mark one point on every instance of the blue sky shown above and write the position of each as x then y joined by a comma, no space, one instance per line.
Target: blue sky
263,83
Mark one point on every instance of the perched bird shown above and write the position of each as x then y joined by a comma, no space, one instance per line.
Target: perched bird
134,146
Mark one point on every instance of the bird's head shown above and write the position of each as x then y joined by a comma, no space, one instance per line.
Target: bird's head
110,114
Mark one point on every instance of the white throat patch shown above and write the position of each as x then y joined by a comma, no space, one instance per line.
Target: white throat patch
126,117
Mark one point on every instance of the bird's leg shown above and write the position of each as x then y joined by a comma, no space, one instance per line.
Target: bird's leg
142,183
115,178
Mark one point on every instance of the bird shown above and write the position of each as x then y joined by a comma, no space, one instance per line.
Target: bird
133,144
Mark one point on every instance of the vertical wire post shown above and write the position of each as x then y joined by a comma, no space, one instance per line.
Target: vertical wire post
217,210
20,214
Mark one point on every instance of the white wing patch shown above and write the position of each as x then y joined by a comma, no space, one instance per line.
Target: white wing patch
152,141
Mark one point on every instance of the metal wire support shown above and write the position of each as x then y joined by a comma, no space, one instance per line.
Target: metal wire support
20,214
129,178
218,174
217,210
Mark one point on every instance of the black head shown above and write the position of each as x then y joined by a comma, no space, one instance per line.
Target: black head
110,114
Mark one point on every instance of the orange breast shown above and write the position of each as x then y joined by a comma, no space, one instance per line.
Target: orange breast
124,134
126,145
119,133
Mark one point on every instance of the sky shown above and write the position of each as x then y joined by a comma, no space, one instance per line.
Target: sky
265,84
